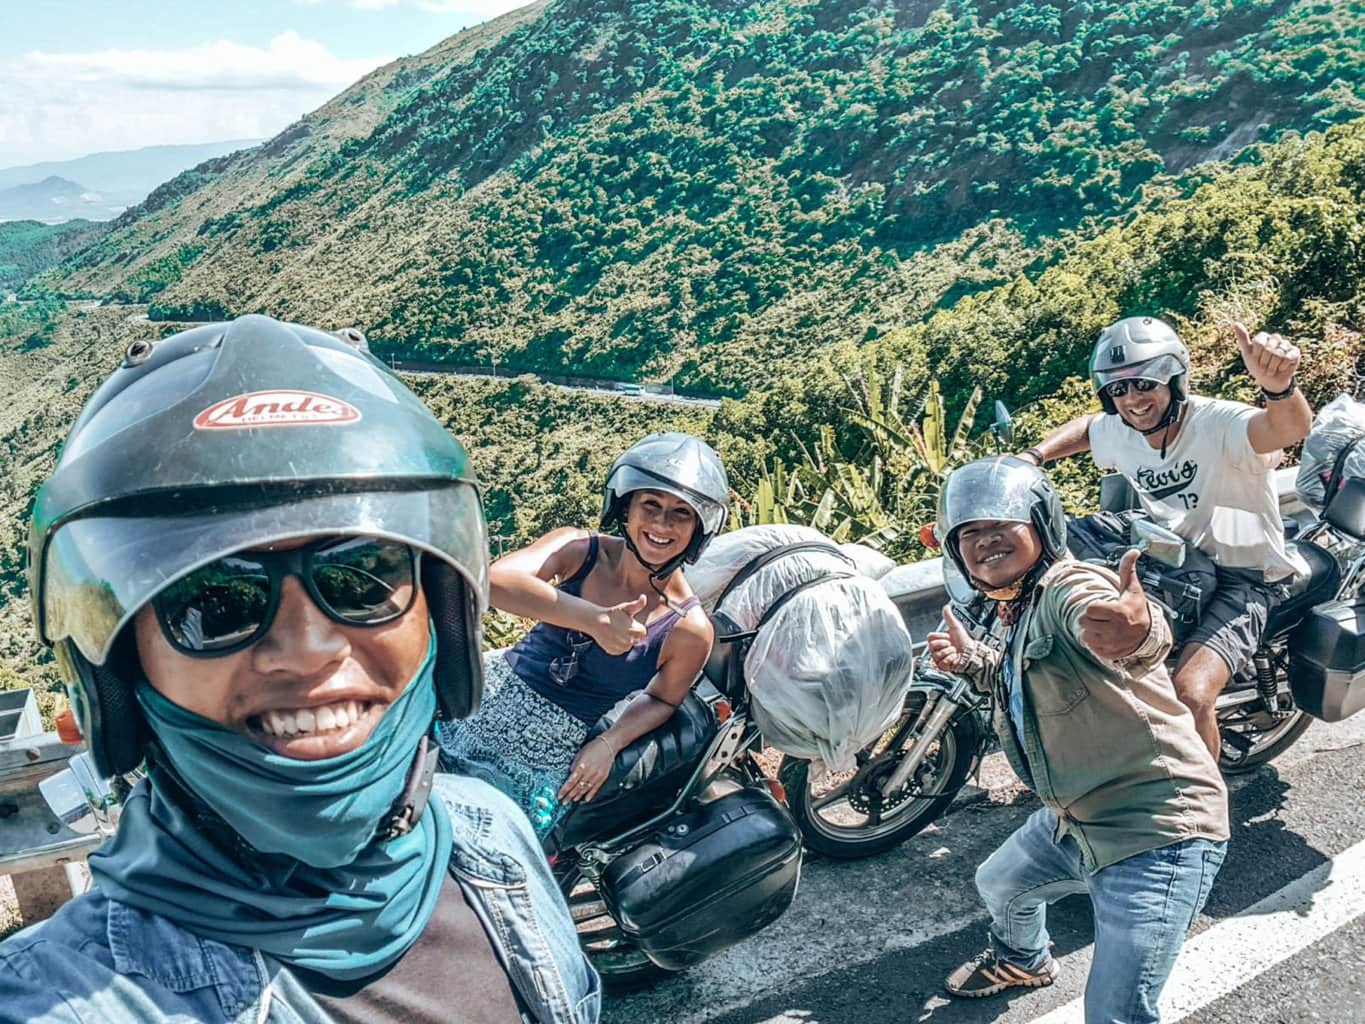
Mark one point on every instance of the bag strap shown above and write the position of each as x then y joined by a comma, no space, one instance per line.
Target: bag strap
1334,480
781,602
766,558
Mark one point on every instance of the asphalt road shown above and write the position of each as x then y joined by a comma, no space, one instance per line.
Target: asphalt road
641,396
1282,939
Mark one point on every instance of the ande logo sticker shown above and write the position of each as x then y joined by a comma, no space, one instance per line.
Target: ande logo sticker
275,409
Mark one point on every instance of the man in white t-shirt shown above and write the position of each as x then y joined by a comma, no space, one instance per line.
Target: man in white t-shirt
1204,468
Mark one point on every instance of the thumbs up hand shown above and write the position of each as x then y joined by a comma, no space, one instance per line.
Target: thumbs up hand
1271,359
618,630
947,647
1116,628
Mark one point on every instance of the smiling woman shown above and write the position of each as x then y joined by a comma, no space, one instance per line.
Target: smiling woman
616,620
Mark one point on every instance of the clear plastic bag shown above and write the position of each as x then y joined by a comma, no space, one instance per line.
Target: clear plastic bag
868,561
731,552
828,672
1339,422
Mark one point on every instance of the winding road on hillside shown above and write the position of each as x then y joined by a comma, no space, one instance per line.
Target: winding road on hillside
1282,939
426,369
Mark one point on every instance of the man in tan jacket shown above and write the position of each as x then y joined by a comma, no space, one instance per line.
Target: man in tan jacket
1134,808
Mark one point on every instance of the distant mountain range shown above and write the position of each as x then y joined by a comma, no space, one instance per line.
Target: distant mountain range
99,186
55,200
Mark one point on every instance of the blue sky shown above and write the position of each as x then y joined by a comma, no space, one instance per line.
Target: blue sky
82,76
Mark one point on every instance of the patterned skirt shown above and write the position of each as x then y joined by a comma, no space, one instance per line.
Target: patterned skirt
519,742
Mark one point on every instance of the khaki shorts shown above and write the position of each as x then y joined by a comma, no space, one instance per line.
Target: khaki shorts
1234,621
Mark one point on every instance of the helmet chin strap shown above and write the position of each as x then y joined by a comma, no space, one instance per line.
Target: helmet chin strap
1010,594
1168,420
656,573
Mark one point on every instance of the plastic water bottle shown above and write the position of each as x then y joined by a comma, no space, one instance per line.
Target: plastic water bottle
545,808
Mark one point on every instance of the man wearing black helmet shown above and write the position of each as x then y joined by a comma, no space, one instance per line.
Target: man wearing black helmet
262,564
615,620
1134,810
1202,467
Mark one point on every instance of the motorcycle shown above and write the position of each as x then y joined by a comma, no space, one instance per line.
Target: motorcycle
688,847
1310,664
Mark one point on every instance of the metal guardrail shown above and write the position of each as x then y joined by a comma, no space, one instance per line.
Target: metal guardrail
31,835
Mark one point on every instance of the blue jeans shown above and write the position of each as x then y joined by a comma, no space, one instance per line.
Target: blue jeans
1143,907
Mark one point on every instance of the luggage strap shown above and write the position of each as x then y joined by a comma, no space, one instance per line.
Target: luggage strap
1334,480
781,602
766,558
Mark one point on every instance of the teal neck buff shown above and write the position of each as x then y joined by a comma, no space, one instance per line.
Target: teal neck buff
325,893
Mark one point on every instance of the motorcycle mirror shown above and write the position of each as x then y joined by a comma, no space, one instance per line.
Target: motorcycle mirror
1003,427
79,798
1157,542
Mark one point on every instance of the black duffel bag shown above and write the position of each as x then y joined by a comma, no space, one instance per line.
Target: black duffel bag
1184,592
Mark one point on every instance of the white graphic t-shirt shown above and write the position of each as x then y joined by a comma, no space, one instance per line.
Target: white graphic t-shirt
1212,487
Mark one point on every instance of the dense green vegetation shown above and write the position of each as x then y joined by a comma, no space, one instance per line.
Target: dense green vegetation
28,247
1278,243
713,191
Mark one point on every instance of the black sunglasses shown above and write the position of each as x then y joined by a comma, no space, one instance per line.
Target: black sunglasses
1119,388
563,668
229,604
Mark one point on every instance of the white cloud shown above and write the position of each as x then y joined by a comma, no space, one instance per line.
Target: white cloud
289,62
60,105
474,10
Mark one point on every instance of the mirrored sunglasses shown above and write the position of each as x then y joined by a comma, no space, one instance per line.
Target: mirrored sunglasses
1119,388
564,667
229,604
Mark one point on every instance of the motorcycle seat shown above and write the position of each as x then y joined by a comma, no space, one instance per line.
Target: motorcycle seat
647,773
1306,592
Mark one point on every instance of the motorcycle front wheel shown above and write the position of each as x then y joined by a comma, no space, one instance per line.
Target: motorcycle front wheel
846,816
621,964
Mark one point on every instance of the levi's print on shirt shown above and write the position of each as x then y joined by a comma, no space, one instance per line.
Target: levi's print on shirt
1212,487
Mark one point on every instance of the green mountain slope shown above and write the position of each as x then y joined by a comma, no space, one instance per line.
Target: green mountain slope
1278,243
28,247
713,191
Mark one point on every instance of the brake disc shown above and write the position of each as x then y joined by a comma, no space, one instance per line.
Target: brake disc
868,793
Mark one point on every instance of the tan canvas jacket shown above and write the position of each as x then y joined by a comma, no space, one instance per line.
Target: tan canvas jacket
1107,746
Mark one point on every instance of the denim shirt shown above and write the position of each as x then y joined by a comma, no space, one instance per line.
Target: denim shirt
101,960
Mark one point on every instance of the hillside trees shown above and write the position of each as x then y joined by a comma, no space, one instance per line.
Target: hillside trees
715,191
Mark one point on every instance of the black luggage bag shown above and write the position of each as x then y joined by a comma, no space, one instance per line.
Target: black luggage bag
706,879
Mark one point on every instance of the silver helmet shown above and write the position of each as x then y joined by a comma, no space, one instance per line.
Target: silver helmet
1139,348
1004,489
677,464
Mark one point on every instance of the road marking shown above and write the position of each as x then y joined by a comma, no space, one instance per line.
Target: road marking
1234,951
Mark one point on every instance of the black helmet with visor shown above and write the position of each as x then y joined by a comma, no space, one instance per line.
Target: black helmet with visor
236,436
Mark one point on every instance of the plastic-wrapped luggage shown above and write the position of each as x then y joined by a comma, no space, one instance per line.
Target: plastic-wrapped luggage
1338,436
828,670
730,552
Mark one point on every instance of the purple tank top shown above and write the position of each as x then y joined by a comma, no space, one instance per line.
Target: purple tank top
567,667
